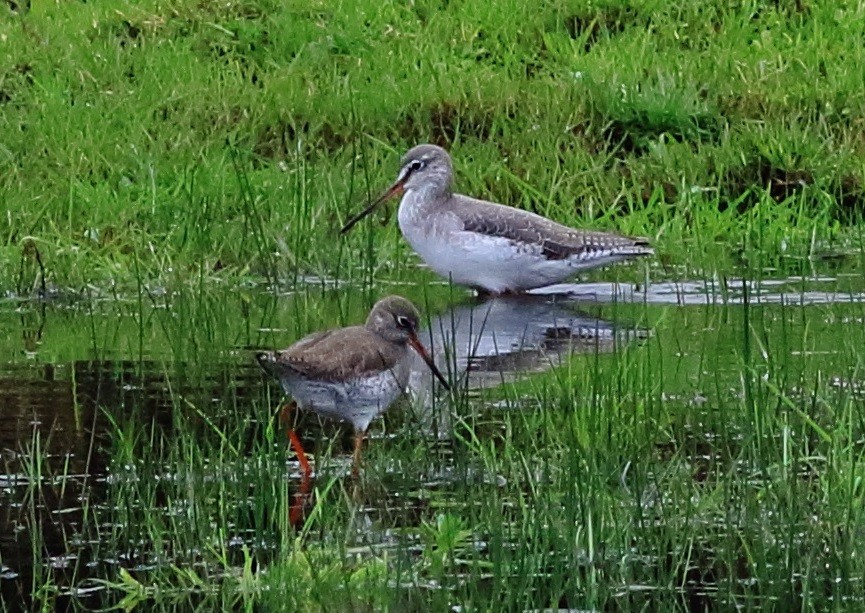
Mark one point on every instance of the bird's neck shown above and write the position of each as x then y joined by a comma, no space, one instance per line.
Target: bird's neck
427,197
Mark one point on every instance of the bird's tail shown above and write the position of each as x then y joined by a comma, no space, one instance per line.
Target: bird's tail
267,361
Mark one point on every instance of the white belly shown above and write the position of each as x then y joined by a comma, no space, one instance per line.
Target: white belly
487,262
491,263
357,401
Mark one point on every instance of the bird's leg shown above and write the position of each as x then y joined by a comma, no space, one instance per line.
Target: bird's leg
298,451
298,502
296,445
285,412
358,443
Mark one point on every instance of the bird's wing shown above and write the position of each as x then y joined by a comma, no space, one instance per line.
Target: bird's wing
555,241
335,355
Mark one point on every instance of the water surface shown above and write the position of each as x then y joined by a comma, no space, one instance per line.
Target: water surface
114,408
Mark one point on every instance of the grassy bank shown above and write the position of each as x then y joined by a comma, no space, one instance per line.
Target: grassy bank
163,141
165,160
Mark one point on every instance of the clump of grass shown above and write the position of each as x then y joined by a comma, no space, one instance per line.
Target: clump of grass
213,138
715,463
156,154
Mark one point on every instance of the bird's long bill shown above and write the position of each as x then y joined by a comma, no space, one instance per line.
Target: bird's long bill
394,190
417,346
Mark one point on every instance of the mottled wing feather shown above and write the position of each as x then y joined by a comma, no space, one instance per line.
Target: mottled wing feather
557,242
336,355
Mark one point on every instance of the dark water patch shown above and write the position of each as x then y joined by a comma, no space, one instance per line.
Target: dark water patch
51,473
81,433
57,433
629,417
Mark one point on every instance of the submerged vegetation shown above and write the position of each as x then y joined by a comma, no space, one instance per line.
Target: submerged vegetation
174,178
716,462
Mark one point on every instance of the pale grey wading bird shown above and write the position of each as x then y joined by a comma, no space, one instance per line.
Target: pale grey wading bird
352,374
493,248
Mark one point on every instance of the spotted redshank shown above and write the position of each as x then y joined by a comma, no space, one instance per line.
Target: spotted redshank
352,374
491,247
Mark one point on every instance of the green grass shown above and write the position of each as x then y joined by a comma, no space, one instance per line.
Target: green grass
231,139
718,461
164,163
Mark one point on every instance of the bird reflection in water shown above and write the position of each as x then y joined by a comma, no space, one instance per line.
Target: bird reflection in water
491,342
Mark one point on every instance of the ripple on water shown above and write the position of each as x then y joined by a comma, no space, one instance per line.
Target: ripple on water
66,415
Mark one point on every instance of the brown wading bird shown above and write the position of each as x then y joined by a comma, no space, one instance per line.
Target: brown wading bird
493,248
352,374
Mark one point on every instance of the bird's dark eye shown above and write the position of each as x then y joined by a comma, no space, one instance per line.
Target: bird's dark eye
403,322
416,165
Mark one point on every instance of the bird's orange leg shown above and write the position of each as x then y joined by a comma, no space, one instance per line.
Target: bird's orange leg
298,451
358,443
298,501
296,445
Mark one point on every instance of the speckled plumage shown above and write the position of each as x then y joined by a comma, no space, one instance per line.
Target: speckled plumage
488,246
351,374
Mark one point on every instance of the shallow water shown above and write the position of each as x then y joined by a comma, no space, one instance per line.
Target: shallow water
78,372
